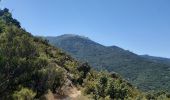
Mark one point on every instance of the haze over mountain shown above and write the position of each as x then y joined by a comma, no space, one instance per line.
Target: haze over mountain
139,70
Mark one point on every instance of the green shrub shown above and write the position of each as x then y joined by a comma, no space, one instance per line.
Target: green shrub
103,86
52,78
24,94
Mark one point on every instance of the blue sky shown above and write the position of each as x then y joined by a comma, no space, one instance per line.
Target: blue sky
141,26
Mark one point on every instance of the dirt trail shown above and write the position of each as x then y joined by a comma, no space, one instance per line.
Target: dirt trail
71,93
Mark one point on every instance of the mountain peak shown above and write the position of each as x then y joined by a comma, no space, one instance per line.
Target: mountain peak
113,58
73,36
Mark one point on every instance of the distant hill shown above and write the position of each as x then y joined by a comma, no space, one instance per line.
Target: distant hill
147,73
32,69
157,59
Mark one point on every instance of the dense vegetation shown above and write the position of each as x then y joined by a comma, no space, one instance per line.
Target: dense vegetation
29,66
157,59
138,70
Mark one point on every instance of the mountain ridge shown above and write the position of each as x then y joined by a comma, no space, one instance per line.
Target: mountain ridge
135,68
31,68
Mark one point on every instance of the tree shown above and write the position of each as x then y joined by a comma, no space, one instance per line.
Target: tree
117,90
83,69
102,86
52,78
7,17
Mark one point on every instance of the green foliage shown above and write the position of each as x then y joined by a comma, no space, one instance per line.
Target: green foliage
83,70
24,94
138,70
7,17
2,26
32,63
50,78
161,95
118,90
103,86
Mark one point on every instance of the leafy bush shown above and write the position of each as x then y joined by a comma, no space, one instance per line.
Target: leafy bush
50,78
103,86
24,94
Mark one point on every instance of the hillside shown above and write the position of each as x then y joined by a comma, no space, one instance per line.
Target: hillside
157,59
138,70
30,68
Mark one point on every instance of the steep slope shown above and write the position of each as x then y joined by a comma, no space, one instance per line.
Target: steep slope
30,67
138,70
29,62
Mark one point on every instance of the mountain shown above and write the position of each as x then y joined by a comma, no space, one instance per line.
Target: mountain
157,59
145,73
30,69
